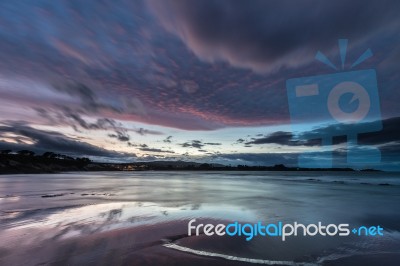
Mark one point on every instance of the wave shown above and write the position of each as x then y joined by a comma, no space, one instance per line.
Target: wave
234,258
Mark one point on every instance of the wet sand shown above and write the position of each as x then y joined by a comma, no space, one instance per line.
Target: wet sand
92,219
134,246
148,245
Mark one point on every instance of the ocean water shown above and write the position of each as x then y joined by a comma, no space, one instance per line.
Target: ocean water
140,218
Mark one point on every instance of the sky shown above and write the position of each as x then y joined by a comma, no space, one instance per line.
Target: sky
205,81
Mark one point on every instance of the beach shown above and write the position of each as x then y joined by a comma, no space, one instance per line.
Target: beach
141,218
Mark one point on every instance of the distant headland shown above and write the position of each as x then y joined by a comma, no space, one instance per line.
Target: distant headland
25,161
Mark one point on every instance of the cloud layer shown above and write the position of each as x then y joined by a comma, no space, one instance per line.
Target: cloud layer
119,73
186,64
270,34
20,136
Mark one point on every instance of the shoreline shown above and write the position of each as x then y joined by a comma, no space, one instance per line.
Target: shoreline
101,167
56,163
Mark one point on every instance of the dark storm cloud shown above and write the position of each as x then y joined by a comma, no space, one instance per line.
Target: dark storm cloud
267,34
279,137
64,115
89,100
212,143
41,141
117,61
167,139
121,136
75,120
193,144
386,140
282,138
143,131
388,134
198,144
155,150
131,144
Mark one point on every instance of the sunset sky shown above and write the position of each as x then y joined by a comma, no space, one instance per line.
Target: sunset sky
204,81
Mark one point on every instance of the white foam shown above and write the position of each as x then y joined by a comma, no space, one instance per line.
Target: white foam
234,258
